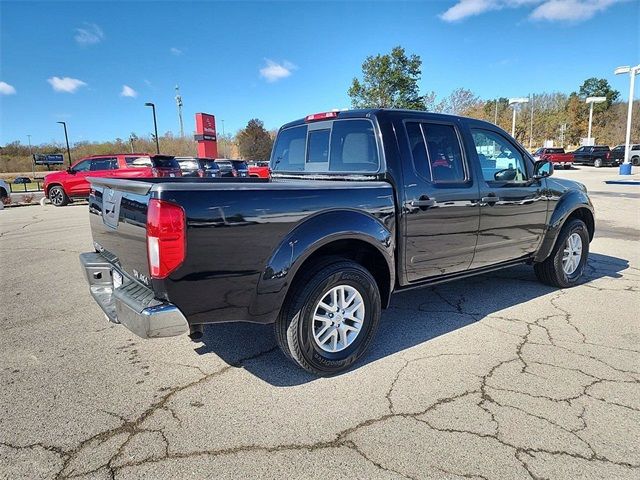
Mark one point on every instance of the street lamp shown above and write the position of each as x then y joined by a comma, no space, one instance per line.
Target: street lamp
515,102
632,71
66,137
155,124
591,101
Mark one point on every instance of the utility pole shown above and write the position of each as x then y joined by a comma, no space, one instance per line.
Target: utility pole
33,161
179,105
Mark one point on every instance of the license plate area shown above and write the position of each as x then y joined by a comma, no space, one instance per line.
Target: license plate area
117,278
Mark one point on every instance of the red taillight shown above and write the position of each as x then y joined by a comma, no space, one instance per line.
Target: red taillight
320,116
234,172
608,155
166,246
155,172
200,173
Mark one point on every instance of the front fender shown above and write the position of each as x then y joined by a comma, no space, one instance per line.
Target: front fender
567,204
311,235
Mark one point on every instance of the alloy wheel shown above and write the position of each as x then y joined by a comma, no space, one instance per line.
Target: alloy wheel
338,318
572,254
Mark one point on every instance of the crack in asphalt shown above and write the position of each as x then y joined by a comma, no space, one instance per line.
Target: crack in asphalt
128,429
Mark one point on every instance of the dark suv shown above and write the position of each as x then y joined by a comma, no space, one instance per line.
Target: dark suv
233,168
598,156
199,167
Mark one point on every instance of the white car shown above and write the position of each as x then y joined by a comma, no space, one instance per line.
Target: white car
634,153
4,190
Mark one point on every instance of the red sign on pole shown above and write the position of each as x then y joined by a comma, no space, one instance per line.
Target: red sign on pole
206,135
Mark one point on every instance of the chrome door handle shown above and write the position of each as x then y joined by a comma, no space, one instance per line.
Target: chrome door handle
423,202
490,200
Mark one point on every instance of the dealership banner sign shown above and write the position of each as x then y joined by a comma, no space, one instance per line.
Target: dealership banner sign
55,159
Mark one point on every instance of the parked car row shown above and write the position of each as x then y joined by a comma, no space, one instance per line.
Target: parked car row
62,187
596,155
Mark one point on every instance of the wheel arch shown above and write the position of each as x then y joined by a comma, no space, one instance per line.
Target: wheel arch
343,233
575,204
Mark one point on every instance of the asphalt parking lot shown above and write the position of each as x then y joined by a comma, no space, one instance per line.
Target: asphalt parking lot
493,377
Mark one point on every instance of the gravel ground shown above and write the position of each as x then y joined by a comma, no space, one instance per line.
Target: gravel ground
492,377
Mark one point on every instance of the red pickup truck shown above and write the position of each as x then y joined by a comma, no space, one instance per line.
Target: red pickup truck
259,169
62,187
557,156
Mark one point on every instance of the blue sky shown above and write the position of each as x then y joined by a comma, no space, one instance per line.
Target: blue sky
278,61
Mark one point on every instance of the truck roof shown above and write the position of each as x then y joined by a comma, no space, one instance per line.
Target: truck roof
369,112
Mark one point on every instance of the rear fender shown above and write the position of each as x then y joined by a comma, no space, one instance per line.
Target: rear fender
307,238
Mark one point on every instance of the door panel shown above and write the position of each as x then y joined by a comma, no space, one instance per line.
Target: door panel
74,182
513,208
441,210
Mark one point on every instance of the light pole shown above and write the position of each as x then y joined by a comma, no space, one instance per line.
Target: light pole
591,101
155,124
632,71
66,137
531,130
515,102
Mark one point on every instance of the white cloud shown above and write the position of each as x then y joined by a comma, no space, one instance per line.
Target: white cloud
273,71
127,91
89,35
468,8
571,10
65,84
552,10
6,89
175,51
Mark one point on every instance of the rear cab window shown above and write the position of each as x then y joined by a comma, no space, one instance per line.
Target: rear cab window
340,146
437,154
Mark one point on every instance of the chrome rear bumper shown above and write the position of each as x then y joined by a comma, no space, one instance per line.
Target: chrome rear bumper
132,304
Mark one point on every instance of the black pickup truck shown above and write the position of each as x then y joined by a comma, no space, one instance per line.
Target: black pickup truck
361,204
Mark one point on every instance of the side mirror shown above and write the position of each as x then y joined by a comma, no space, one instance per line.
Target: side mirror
70,170
542,168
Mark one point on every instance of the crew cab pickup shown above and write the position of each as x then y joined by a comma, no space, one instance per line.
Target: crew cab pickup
63,187
557,156
361,204
598,156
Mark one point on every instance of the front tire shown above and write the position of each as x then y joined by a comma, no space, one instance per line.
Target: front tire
329,317
565,266
57,196
597,162
635,161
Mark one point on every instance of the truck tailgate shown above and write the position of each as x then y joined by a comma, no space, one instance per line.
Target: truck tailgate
118,215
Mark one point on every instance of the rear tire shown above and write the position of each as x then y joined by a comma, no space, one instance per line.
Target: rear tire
597,162
564,267
57,196
635,161
567,166
327,341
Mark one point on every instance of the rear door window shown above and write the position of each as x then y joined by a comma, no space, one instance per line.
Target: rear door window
436,151
105,163
137,161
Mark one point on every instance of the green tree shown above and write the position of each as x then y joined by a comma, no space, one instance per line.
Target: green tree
254,141
389,81
599,87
